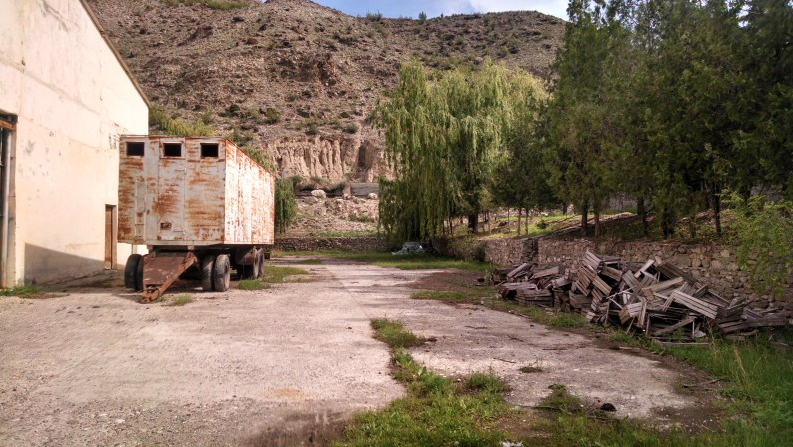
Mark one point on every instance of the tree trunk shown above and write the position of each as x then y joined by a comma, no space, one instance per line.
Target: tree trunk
597,220
716,199
473,222
526,224
584,212
520,210
564,209
640,209
509,229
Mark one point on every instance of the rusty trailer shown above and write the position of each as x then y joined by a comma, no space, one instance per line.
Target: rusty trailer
202,207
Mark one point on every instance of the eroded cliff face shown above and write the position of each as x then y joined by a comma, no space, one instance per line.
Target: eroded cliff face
335,158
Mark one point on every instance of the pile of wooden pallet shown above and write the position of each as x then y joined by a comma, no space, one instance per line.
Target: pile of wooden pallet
657,299
529,285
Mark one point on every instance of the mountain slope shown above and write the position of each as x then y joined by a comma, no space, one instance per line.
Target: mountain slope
300,78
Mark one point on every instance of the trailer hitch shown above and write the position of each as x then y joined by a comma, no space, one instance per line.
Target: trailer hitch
160,270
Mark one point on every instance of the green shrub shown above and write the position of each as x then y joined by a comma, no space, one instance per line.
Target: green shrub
285,204
374,16
171,125
271,116
351,128
422,17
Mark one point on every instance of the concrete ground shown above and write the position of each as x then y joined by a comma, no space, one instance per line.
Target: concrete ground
283,366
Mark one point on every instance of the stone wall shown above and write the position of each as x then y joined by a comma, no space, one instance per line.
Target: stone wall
714,265
510,251
332,243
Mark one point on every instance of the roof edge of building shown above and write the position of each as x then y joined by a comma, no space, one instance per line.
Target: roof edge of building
113,48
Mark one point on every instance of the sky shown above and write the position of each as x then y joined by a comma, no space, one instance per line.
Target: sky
434,8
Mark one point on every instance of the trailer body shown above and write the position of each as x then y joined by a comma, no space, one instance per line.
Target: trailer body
192,191
202,207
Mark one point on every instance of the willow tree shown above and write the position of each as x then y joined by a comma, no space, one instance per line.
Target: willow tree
442,138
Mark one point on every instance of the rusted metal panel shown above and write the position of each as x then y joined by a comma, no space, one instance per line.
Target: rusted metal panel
187,199
160,270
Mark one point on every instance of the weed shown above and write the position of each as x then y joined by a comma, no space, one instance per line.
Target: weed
486,381
455,295
434,412
22,291
171,125
252,284
351,128
392,334
530,369
276,274
180,300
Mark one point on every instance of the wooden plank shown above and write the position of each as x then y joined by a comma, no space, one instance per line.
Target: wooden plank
673,327
695,304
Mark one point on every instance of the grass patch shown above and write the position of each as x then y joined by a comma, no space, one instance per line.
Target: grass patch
456,295
309,262
276,274
530,369
22,291
434,413
392,334
180,300
488,381
251,284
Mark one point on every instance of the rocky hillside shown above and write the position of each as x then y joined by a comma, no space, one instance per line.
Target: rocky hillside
300,78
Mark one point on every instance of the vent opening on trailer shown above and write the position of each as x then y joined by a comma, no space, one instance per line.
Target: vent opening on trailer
209,150
135,149
172,150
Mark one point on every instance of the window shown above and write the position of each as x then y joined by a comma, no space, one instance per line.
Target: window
209,150
135,149
172,150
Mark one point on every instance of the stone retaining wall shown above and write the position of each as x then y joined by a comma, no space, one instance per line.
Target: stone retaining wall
331,243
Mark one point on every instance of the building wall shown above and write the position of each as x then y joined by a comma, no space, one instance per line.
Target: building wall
73,100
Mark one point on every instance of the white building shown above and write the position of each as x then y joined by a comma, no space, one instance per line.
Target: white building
65,97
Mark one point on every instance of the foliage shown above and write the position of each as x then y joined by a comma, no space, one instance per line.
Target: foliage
374,16
285,205
22,291
251,284
670,102
180,300
171,125
765,248
271,116
422,17
276,274
434,412
442,139
392,334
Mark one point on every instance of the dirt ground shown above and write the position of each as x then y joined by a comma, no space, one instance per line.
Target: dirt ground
282,366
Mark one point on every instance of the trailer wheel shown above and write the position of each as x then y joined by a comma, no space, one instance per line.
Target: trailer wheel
207,270
139,275
259,264
131,271
221,277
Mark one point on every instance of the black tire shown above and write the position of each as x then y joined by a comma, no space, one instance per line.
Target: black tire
257,264
131,271
260,264
139,275
221,277
207,272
